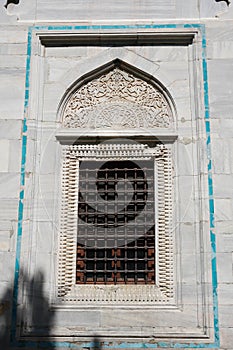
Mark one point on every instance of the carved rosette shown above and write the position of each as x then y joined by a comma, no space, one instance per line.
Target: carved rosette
117,100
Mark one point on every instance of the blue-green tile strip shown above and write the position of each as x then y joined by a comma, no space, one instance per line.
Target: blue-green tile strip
112,345
210,188
21,195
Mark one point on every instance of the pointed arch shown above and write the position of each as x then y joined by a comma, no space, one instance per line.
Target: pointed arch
119,96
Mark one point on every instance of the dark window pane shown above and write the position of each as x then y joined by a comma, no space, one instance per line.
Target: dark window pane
116,236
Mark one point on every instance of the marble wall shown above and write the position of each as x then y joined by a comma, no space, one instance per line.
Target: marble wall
45,48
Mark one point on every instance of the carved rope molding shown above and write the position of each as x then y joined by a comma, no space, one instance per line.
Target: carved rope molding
117,100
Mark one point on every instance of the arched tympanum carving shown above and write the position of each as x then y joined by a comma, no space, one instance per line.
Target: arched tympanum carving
117,100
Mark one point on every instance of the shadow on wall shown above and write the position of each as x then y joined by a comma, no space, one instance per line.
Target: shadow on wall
96,343
16,2
5,317
38,314
227,1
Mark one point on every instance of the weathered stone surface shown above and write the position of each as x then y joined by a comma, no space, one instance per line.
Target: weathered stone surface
118,10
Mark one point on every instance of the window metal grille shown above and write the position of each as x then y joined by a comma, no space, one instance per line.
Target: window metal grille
116,223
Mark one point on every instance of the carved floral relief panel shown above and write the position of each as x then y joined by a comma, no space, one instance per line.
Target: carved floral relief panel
117,100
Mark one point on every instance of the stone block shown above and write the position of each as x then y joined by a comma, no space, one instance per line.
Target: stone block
15,156
225,293
140,318
219,33
161,53
9,185
13,49
44,208
57,67
225,242
187,10
53,95
50,153
6,289
220,74
225,315
12,95
8,225
14,35
30,157
223,186
12,61
224,227
86,318
72,52
220,49
43,264
4,155
186,161
45,239
223,209
187,206
225,267
47,186
187,236
6,265
120,9
220,147
5,241
10,129
226,336
189,268
210,9
215,127
225,128
8,210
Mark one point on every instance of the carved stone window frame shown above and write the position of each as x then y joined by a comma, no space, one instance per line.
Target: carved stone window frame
163,290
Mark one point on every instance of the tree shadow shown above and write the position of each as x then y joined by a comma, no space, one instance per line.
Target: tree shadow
97,344
40,315
37,313
37,317
5,318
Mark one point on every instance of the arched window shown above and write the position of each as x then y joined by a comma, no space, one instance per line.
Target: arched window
116,240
